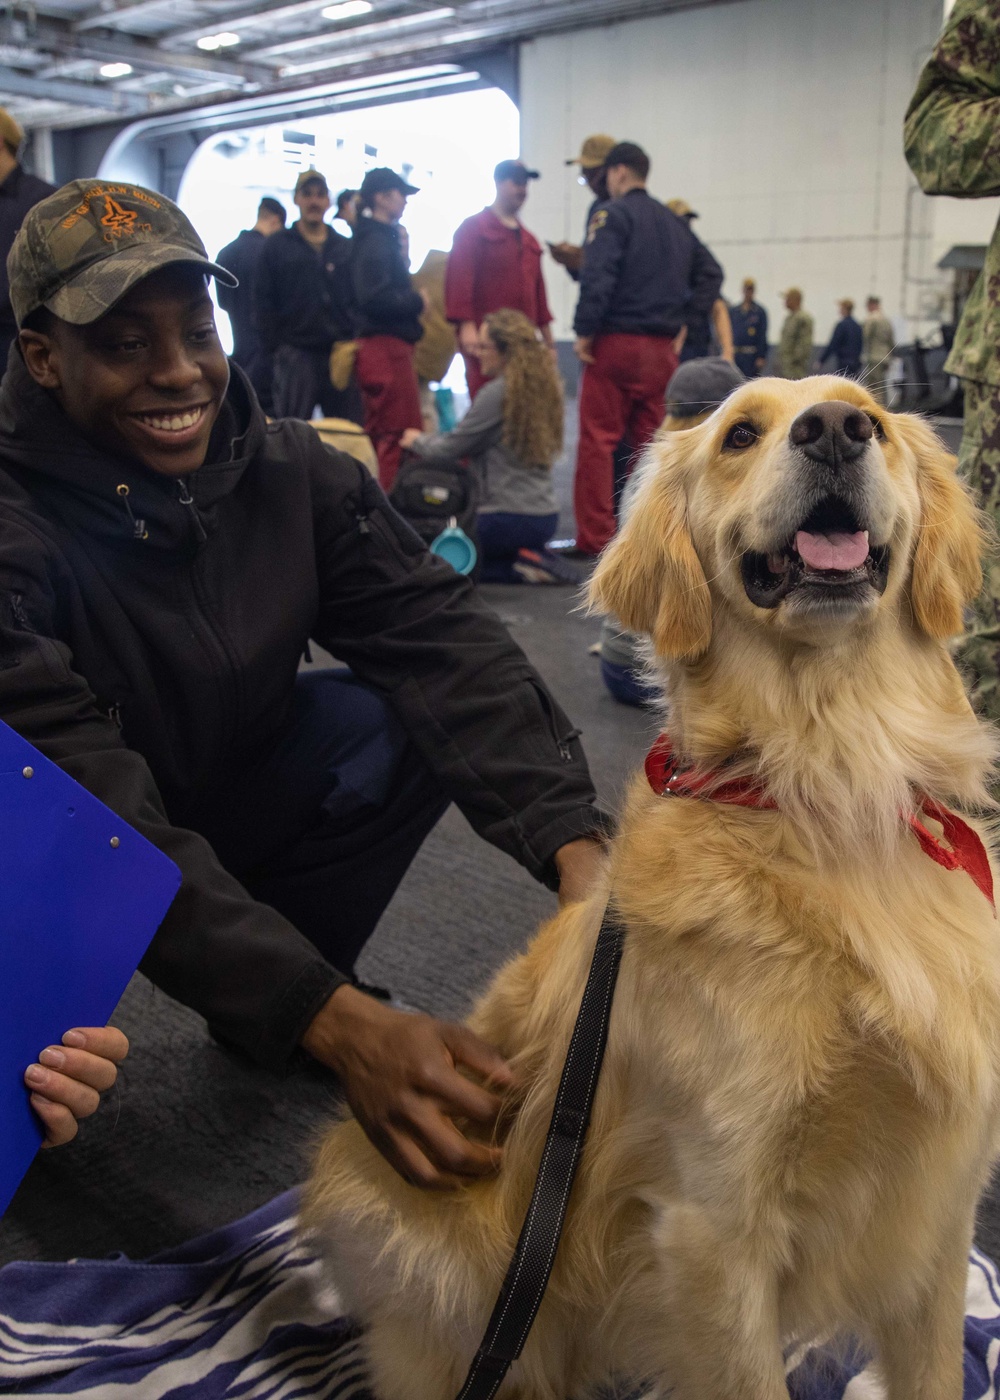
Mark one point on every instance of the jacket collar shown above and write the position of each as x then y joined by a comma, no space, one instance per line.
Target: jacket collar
79,483
494,228
367,227
332,236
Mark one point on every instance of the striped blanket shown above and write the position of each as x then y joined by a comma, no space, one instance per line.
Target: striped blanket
243,1314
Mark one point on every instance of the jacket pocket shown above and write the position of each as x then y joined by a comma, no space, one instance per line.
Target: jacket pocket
46,648
559,726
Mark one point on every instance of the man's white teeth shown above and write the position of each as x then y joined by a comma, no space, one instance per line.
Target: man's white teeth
175,422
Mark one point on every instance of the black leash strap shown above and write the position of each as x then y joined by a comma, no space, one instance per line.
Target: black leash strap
524,1286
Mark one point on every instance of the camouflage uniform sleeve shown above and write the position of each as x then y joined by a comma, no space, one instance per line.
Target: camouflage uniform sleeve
803,344
952,128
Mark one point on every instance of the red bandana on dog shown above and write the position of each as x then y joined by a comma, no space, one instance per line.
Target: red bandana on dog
964,851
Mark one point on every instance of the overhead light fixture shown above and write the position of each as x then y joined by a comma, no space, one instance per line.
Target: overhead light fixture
115,70
347,9
211,42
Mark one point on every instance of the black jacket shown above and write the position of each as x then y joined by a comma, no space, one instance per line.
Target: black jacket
846,345
298,295
384,300
18,193
154,669
242,257
595,205
644,271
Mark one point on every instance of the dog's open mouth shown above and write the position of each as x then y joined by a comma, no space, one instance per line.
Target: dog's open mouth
830,554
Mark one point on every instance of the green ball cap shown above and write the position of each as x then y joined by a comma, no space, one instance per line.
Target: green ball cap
79,251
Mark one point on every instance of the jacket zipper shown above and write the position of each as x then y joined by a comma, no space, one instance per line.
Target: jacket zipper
562,741
229,672
20,616
361,515
228,662
187,500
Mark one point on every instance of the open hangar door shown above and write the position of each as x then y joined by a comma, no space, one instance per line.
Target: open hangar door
446,145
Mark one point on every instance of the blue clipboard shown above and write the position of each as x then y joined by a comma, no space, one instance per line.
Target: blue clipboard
81,895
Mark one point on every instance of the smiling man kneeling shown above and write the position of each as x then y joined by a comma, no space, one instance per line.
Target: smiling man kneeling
165,557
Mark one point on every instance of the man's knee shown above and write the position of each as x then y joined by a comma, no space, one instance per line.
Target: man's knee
364,742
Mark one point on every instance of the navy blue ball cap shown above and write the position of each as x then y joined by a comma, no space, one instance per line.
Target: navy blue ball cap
515,170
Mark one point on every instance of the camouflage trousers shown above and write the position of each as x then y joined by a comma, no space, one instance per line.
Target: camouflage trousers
978,652
874,379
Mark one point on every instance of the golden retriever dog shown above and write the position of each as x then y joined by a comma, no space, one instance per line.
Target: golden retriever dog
800,1095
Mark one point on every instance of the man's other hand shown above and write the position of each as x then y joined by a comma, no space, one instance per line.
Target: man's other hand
67,1082
583,347
579,864
568,255
400,1073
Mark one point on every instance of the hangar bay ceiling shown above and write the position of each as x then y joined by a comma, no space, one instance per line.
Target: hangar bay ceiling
67,63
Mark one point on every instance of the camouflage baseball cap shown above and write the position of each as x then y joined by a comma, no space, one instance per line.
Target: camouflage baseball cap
79,251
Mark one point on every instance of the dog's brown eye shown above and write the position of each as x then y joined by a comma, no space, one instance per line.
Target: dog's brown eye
741,435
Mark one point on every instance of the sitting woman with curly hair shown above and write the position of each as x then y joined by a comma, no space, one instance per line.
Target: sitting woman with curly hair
510,437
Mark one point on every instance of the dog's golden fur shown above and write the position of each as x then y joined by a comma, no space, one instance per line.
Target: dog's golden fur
801,1090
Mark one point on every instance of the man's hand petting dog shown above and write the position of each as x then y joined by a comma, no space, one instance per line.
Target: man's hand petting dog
402,1072
579,864
401,1075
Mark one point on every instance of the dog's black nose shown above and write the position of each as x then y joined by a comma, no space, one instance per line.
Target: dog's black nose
832,432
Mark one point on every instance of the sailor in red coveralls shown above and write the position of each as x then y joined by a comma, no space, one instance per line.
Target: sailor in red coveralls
387,318
495,263
644,276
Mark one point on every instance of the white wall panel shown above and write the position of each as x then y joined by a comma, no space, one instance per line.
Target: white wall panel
780,121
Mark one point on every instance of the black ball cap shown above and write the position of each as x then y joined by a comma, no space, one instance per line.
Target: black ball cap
625,153
381,180
515,170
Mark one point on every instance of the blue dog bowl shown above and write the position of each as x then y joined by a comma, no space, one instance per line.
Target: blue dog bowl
455,548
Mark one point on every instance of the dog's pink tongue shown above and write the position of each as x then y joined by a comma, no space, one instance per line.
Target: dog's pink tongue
833,551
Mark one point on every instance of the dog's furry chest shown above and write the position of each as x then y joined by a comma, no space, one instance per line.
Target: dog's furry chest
811,1040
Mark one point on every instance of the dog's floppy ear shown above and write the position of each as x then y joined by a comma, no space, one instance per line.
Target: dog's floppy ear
650,576
951,535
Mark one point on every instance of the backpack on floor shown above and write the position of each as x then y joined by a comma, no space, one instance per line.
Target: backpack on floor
429,493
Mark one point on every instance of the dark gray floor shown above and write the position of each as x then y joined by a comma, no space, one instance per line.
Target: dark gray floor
195,1136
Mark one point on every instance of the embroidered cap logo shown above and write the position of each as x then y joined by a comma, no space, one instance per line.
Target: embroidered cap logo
118,222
